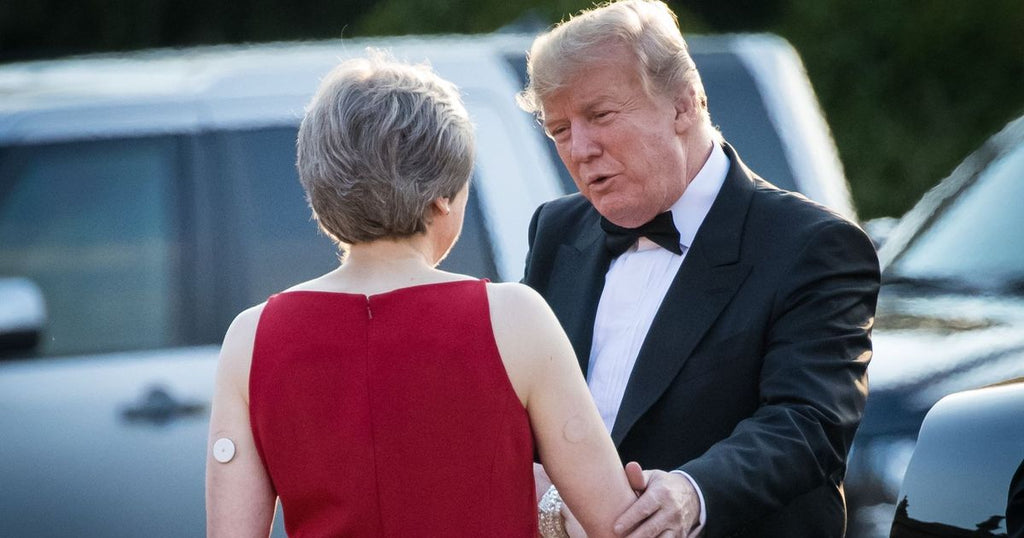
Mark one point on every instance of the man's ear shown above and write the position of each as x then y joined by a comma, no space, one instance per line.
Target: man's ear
687,109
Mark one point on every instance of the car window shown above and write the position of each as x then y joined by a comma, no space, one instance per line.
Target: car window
738,109
92,223
976,239
282,245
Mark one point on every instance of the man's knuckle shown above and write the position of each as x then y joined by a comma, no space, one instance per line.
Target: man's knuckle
664,496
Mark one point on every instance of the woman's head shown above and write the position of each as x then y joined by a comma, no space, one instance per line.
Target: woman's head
381,140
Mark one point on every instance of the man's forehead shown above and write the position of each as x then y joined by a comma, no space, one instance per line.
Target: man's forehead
586,97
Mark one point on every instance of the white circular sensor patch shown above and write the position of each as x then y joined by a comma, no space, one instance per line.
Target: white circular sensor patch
223,450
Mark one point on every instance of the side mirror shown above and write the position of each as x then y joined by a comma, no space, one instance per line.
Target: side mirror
22,315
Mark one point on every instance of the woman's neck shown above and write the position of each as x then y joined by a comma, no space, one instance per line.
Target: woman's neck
388,255
382,265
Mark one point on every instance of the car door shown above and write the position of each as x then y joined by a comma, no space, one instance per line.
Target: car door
102,429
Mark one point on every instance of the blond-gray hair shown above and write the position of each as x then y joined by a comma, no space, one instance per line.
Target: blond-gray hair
381,140
647,27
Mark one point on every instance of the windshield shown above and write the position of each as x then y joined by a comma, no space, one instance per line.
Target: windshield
978,240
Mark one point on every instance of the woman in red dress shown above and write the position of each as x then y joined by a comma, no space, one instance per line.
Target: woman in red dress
387,397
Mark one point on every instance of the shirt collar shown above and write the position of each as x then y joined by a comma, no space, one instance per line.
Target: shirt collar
690,209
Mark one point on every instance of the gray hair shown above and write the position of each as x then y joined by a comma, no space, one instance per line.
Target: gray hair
647,27
379,142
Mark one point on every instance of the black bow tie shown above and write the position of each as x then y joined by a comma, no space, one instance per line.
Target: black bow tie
660,229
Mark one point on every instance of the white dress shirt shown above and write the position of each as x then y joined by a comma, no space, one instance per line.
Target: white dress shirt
634,288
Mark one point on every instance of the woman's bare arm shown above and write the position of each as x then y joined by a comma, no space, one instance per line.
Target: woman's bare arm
573,443
240,500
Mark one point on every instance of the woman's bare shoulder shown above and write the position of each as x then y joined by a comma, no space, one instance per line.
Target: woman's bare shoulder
513,298
236,351
521,318
244,325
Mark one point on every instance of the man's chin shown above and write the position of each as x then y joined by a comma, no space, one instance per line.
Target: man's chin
627,217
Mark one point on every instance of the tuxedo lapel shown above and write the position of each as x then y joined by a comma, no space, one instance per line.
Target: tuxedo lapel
576,285
708,279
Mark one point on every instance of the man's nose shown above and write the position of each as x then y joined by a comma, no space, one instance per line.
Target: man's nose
583,145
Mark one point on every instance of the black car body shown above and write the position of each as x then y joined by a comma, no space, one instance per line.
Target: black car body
950,315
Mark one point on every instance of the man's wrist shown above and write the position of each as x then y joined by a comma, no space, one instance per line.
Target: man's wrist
703,516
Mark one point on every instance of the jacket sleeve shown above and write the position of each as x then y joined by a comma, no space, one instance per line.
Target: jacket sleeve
812,386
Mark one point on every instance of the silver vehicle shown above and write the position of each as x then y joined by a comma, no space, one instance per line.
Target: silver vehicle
146,199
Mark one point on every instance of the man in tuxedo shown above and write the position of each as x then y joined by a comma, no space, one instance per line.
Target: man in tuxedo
723,324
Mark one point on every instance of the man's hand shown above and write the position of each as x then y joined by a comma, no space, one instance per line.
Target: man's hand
668,505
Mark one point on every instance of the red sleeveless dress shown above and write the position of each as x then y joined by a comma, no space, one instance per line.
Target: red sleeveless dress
391,415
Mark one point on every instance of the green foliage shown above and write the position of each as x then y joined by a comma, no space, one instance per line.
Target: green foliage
911,87
49,28
400,17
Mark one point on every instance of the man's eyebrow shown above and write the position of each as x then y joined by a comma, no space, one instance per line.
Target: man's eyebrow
588,107
596,101
548,122
604,101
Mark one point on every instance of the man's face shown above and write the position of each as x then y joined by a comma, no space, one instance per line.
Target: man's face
624,148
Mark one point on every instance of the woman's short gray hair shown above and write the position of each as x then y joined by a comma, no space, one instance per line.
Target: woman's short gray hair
379,142
647,27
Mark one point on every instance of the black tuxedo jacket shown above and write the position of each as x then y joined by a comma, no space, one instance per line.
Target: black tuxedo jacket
752,377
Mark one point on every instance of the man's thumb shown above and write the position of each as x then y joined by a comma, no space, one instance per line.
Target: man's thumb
635,475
